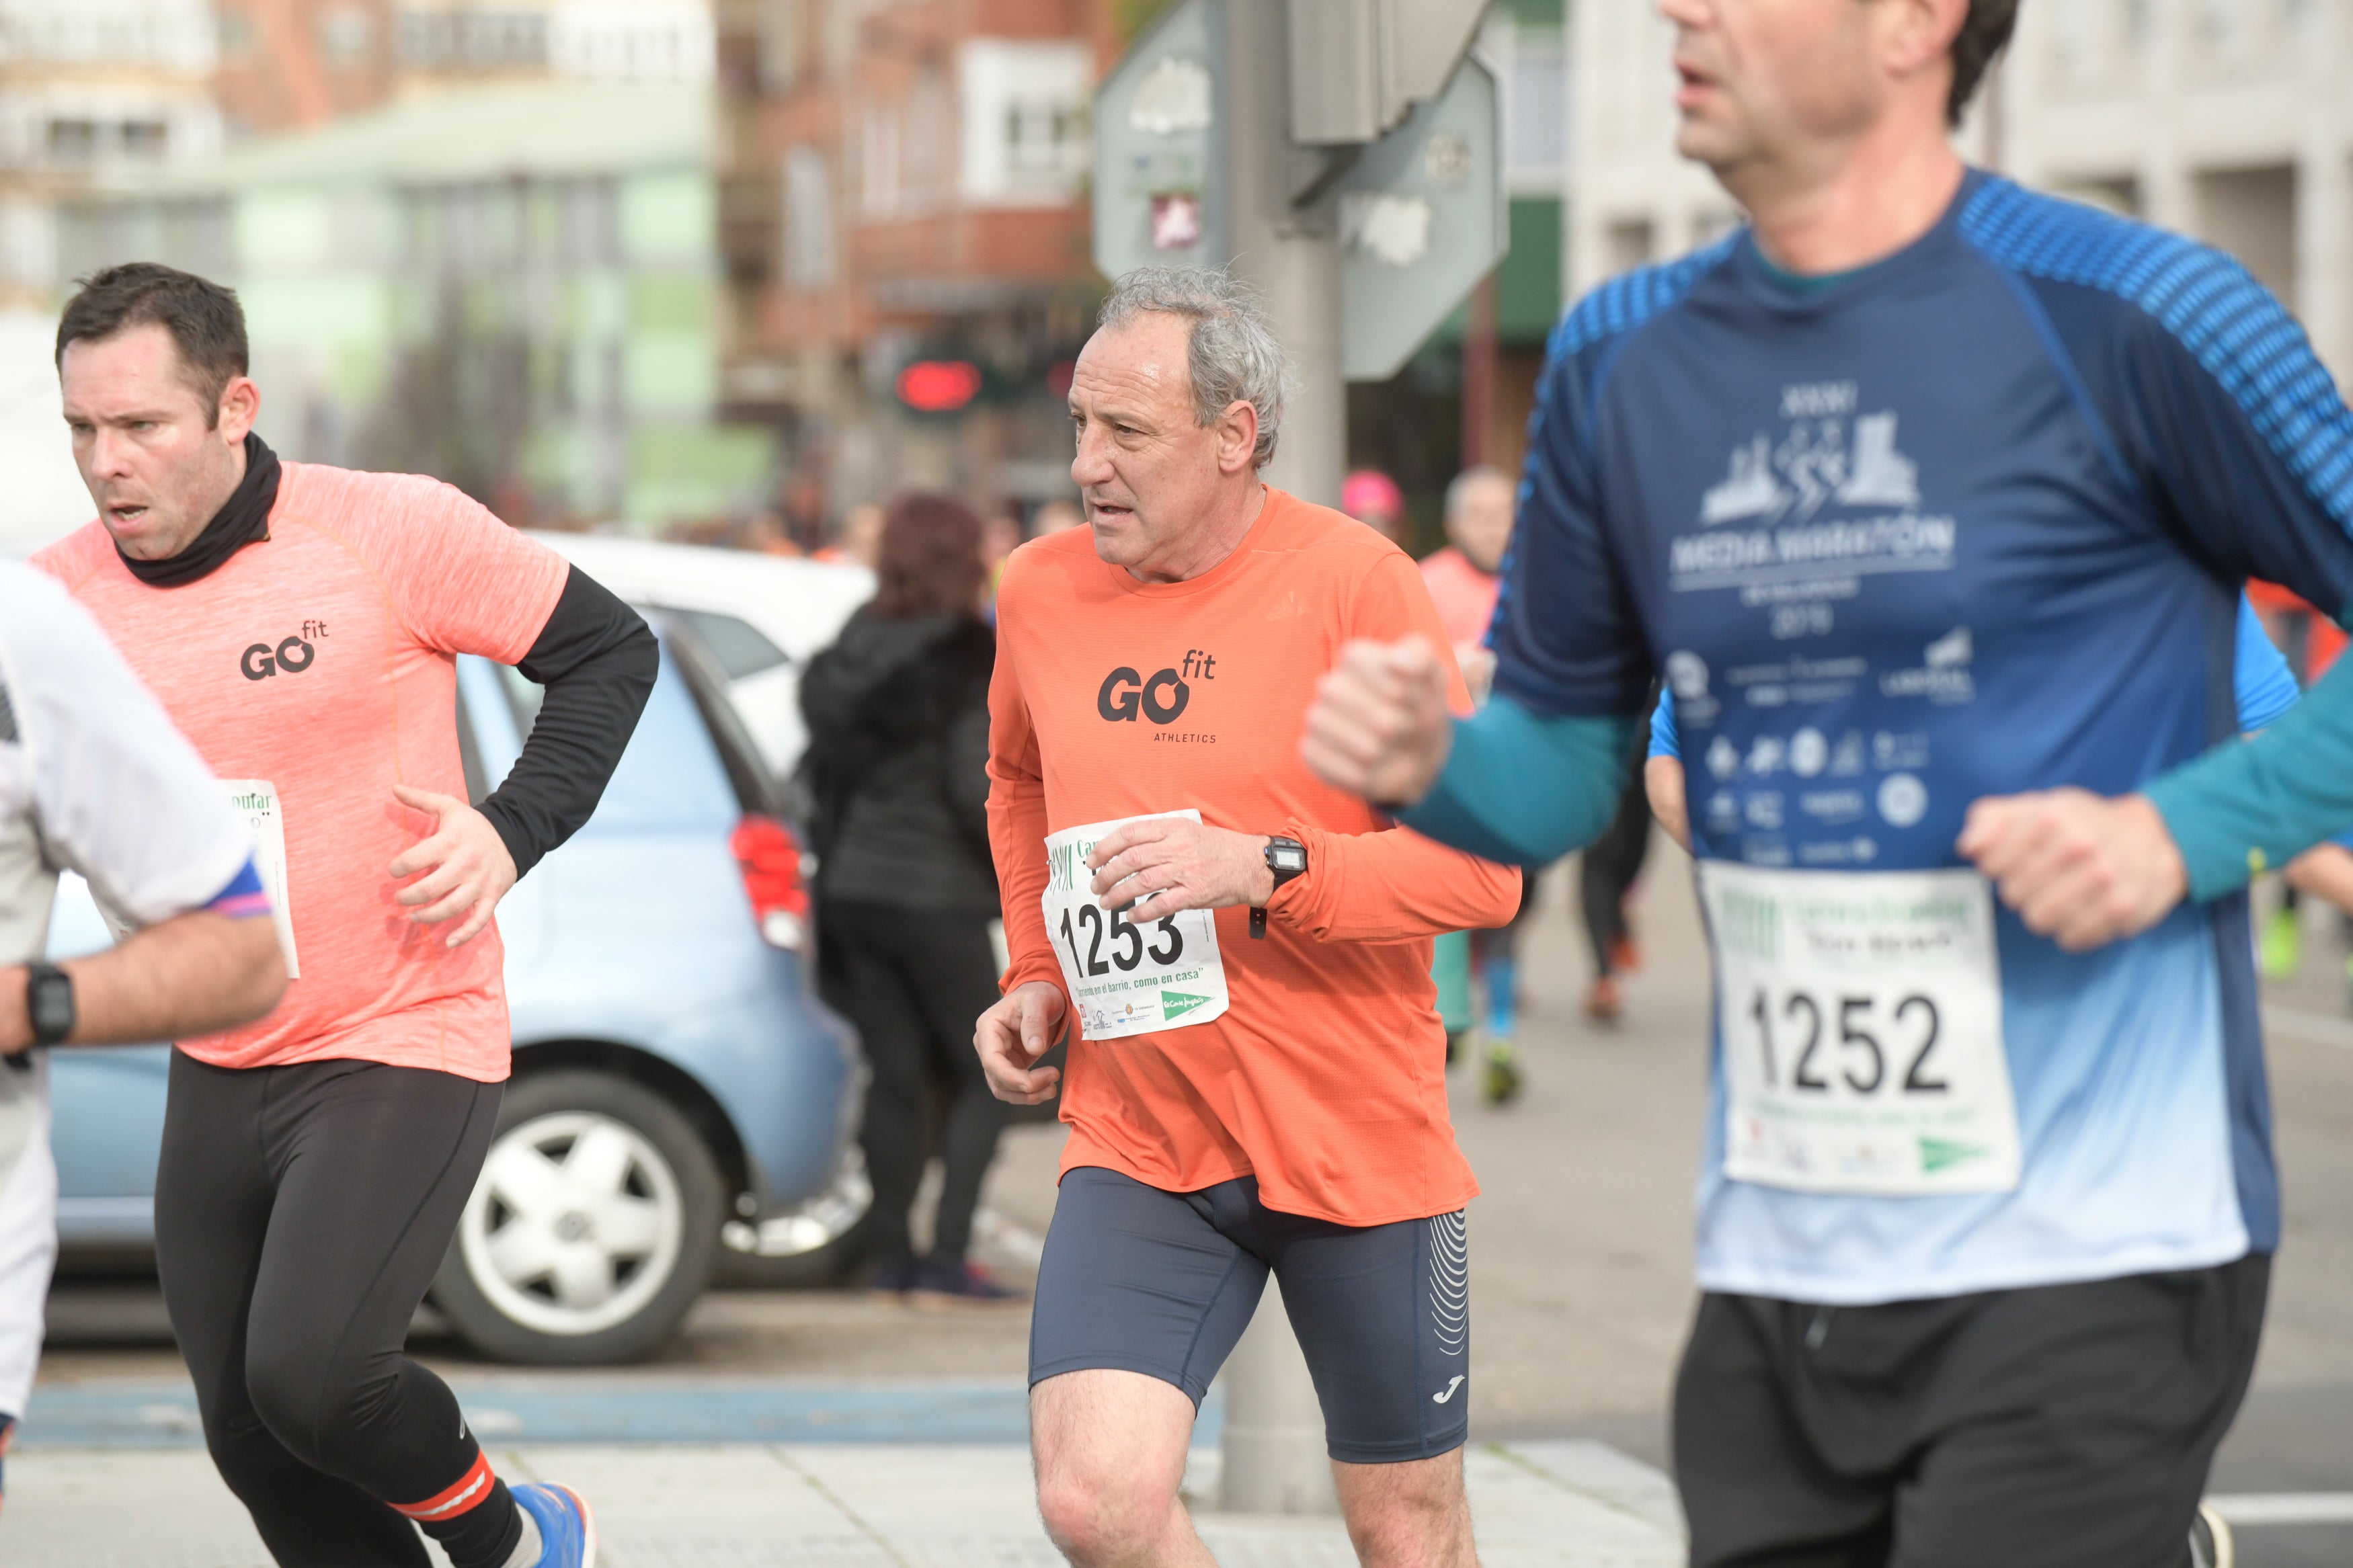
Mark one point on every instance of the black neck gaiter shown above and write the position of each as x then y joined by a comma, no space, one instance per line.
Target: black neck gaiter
244,519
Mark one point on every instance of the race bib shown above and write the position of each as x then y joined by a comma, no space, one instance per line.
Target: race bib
1128,979
255,800
1861,1020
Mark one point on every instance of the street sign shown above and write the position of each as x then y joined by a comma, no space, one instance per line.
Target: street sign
1422,219
1358,67
1160,177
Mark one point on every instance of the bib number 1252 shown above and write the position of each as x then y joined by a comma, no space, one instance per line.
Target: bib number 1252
1860,1021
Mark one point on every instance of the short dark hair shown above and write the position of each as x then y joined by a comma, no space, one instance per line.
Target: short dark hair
206,323
929,560
1984,34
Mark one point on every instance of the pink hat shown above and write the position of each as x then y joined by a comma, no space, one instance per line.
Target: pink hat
1368,492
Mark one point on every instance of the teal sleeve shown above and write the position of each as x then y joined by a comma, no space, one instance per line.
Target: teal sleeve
2261,802
1523,789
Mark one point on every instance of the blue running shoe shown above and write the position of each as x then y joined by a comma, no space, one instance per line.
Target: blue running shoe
567,1530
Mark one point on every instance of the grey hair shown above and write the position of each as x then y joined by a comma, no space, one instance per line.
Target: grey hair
1460,486
1233,352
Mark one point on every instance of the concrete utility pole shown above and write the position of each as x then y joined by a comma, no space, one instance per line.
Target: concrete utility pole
1332,153
1274,1455
1290,251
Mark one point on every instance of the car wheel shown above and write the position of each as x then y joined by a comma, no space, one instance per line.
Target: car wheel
592,1229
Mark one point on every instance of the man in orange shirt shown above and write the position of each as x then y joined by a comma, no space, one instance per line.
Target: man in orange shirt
1259,1082
300,626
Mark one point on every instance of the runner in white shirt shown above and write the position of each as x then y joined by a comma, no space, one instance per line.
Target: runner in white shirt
93,778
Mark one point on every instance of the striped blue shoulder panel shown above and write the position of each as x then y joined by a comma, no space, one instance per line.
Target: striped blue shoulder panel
1631,298
2211,306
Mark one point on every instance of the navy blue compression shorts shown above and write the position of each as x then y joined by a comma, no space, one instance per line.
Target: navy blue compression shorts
1137,1279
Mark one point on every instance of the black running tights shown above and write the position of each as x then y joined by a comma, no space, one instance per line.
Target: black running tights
300,1213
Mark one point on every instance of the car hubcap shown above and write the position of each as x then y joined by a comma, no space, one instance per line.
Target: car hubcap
576,1225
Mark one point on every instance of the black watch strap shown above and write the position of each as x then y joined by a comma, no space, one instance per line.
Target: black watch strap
48,1003
1286,859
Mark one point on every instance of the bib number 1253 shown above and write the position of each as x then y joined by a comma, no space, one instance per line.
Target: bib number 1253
1860,1018
1127,979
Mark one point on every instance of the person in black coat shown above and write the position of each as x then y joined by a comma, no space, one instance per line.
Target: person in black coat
896,774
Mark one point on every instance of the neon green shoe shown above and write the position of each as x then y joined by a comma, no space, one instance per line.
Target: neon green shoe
2283,945
1502,1080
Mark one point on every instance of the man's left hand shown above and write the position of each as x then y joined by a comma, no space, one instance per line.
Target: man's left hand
469,868
1147,869
2084,868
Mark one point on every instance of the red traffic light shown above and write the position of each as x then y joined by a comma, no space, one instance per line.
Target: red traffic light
939,385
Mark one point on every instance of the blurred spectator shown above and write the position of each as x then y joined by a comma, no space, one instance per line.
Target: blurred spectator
766,534
859,540
1372,496
898,720
1000,536
1463,577
1054,517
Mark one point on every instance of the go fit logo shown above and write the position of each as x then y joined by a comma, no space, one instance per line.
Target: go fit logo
1161,698
293,655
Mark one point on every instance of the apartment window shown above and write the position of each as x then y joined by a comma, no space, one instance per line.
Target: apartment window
73,143
591,220
1538,130
473,40
929,138
144,139
1020,124
810,246
346,36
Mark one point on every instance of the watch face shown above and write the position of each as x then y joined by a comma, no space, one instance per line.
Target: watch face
1288,858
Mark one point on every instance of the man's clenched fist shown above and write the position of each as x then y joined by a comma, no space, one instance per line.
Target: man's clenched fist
1380,727
2082,868
1015,1032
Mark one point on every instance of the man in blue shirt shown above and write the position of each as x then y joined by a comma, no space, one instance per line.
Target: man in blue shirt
1932,500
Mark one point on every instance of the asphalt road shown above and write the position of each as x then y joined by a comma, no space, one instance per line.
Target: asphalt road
1580,1255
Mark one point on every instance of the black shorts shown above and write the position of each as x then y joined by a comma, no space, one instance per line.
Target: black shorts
2060,1426
1138,1279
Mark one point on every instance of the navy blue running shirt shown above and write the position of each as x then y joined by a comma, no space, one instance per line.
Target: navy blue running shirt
1971,522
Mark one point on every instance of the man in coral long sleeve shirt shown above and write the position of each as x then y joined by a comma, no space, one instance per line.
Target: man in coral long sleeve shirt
1257,1083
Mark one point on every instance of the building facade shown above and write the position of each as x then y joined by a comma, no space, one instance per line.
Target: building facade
904,186
514,289
285,64
2227,120
92,91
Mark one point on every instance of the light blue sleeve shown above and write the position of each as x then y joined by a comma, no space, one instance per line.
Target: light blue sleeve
2260,676
1664,741
1523,789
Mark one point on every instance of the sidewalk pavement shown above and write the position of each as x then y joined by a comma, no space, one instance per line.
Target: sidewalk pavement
836,1505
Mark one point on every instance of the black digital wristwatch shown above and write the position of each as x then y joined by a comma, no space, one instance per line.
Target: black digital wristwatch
1286,859
48,1003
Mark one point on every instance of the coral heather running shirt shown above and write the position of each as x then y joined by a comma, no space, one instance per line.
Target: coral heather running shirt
1325,1078
322,660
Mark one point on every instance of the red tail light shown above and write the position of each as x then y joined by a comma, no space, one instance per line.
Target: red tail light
770,857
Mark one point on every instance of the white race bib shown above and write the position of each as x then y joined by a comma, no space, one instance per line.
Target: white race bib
1861,1020
1128,979
255,800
